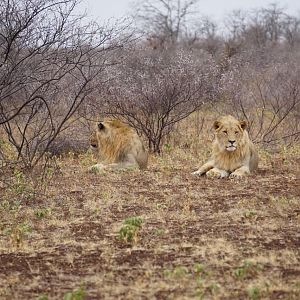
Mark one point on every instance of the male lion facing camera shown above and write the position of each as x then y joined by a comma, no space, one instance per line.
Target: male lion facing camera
233,154
118,146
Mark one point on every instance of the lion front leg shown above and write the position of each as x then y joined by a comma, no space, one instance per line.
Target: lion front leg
218,173
240,172
205,168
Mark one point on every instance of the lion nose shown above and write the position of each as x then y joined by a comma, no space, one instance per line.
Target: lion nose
232,142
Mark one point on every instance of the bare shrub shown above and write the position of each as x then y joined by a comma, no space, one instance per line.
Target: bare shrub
49,60
268,97
205,36
164,21
264,27
155,90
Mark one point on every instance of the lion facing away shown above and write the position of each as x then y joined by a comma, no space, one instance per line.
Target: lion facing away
233,154
118,146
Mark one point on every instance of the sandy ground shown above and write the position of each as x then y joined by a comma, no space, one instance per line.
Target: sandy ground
200,238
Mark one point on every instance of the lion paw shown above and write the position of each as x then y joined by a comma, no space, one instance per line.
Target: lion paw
197,173
236,175
216,173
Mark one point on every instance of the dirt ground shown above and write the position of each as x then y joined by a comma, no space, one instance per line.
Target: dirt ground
200,238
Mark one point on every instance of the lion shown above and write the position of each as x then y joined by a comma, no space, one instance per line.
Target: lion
118,146
233,153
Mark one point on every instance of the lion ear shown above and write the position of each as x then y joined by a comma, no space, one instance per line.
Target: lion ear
217,125
100,126
243,124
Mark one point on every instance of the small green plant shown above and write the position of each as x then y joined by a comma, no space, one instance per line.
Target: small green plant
168,148
177,272
161,206
254,293
180,272
20,183
159,232
214,288
23,227
240,273
95,169
79,294
129,231
43,213
205,288
18,233
13,205
199,269
21,187
134,221
247,269
250,214
200,293
42,297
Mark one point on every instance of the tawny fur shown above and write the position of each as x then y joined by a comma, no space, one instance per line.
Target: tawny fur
233,153
118,146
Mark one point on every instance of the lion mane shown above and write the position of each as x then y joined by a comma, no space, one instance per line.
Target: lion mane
233,153
118,146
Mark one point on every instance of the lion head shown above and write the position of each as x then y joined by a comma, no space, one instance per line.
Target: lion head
230,133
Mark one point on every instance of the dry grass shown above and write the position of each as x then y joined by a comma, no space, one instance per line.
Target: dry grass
200,238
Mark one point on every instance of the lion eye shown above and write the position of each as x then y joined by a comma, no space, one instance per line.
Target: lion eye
225,131
236,132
